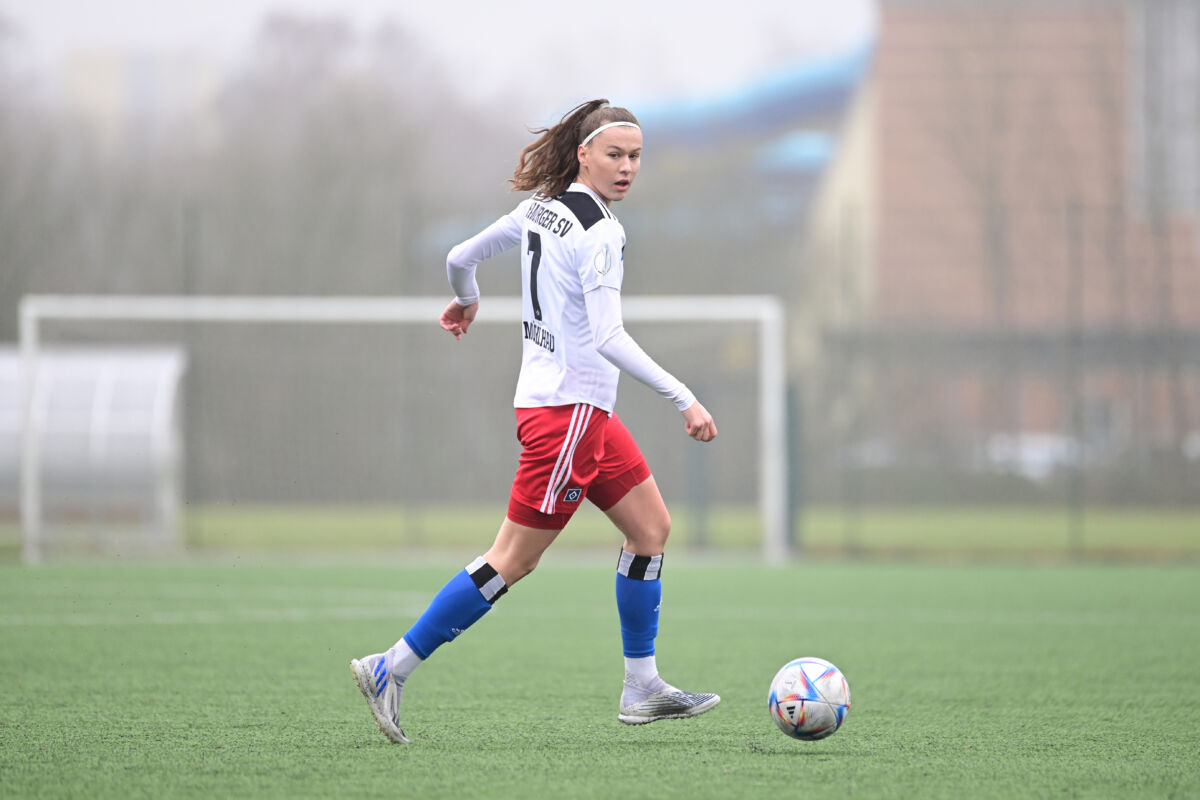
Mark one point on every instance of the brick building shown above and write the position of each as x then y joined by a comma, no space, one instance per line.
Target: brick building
1018,252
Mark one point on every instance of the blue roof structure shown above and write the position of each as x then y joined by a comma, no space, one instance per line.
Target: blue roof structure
805,94
798,153
781,132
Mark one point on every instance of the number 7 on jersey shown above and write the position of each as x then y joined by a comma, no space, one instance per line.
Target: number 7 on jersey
535,259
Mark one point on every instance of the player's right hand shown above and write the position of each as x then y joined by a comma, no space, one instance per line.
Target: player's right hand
457,319
698,423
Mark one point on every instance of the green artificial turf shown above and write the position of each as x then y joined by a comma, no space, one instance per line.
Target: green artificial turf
230,679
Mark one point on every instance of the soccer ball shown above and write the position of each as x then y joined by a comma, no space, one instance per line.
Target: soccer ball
809,698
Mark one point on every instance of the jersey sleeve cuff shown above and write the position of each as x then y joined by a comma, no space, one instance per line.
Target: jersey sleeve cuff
684,399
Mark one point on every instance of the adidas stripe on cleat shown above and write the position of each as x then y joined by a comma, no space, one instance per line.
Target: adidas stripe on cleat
382,694
670,703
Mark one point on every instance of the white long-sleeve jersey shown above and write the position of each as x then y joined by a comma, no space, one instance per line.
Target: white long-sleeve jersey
572,264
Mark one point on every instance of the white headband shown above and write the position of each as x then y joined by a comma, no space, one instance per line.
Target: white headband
605,127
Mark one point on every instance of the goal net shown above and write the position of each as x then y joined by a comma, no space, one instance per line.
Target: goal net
356,423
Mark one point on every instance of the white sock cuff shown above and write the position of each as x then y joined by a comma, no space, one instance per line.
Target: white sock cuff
639,568
487,580
402,660
642,670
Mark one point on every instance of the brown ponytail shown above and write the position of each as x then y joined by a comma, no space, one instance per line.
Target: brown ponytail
550,164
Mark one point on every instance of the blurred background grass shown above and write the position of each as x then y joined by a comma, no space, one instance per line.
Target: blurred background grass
934,533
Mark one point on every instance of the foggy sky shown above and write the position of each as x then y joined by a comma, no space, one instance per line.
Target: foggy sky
538,54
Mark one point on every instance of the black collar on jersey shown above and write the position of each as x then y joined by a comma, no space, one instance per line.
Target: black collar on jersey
584,205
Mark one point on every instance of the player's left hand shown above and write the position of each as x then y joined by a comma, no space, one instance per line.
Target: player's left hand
457,319
698,423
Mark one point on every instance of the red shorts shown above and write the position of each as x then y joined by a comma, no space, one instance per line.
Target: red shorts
569,453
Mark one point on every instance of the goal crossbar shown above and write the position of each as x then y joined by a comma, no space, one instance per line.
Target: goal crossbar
762,310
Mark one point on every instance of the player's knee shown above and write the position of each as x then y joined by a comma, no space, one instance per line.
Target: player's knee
662,529
523,567
651,537
513,570
512,566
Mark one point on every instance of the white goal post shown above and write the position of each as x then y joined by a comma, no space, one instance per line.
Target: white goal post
764,311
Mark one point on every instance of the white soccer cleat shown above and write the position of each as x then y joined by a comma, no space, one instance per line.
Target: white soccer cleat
382,693
670,703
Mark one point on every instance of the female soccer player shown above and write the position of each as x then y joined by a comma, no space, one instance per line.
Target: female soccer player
573,444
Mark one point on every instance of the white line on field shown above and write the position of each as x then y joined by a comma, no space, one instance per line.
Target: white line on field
411,607
126,590
207,617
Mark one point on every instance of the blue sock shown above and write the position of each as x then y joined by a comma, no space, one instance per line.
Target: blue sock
639,593
462,601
